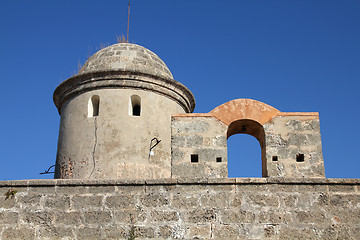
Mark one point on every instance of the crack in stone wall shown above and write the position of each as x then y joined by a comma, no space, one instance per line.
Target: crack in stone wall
94,148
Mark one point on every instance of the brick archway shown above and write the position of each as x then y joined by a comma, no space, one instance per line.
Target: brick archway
239,109
255,129
247,116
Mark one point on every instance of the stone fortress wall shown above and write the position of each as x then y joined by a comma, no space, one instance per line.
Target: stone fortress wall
290,142
241,208
123,98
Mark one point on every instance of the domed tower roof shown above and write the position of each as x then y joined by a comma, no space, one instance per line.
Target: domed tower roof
127,57
124,65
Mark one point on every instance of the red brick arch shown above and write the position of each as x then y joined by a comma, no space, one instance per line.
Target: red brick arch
239,109
247,116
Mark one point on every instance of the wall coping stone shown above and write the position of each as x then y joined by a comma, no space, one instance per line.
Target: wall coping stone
180,181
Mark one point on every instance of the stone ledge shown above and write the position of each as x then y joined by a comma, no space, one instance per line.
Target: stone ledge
298,114
180,181
80,83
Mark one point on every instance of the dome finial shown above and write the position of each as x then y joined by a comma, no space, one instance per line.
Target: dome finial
128,24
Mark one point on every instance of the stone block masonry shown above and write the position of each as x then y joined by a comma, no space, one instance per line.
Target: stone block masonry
203,138
241,208
290,141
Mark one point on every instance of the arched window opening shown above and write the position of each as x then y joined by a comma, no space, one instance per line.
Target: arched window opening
135,105
246,149
244,156
93,106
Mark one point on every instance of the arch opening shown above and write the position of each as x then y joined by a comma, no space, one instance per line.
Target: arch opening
93,106
135,105
252,128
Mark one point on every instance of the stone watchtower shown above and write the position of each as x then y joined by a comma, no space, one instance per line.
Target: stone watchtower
124,116
113,113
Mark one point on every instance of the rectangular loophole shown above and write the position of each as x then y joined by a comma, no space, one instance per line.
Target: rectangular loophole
275,158
218,159
300,157
194,158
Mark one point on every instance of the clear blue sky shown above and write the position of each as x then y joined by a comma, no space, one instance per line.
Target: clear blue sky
297,56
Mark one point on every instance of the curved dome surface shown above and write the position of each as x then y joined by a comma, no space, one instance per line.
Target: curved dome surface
126,57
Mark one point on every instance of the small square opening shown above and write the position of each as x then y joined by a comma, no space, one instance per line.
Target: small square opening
218,159
275,158
300,157
194,158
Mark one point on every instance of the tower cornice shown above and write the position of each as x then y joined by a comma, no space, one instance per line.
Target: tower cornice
118,79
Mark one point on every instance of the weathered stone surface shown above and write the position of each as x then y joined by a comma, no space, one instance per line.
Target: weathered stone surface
130,215
200,231
114,81
204,138
186,141
132,58
31,201
7,203
289,136
187,170
63,190
164,232
310,216
263,200
275,140
115,233
101,189
164,216
237,216
299,233
88,233
86,202
18,233
9,217
191,126
140,189
351,200
337,188
253,231
189,202
57,202
214,201
38,217
50,232
94,217
120,201
247,208
225,232
72,218
41,189
152,200
144,232
200,216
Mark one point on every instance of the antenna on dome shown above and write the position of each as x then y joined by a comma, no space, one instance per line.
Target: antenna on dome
127,38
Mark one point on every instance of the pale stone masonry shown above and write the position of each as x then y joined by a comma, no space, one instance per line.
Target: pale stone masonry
241,208
121,99
124,116
290,142
135,162
204,137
